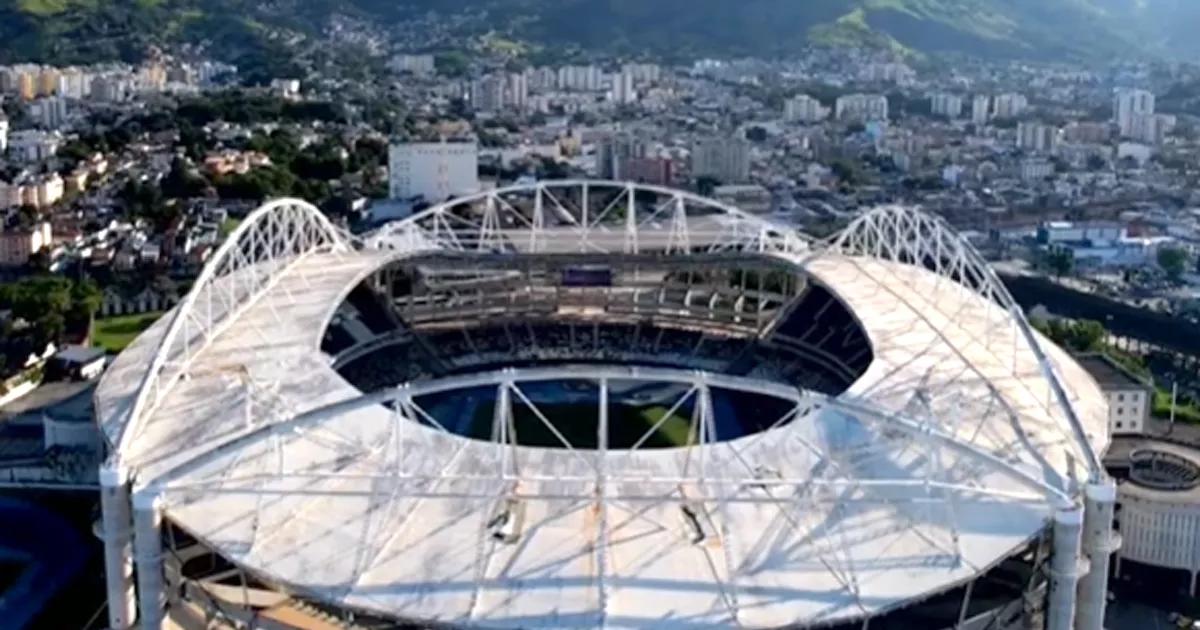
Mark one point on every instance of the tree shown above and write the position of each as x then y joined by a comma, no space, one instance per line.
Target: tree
848,172
1173,261
756,134
453,63
1096,163
1060,260
706,184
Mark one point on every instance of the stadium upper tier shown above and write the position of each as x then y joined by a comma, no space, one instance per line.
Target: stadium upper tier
919,432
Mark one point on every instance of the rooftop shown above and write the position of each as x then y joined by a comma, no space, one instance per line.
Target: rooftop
1109,374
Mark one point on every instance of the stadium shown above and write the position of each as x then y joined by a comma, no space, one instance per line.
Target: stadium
601,404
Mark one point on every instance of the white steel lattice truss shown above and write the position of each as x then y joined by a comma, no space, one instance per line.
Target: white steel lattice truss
886,493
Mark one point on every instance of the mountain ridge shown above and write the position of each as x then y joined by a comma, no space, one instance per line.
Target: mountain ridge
78,30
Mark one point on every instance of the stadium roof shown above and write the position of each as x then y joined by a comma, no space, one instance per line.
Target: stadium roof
944,457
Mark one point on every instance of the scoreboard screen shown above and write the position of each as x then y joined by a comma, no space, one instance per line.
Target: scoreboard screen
589,276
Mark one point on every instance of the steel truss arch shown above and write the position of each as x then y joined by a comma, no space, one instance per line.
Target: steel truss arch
909,236
676,221
262,247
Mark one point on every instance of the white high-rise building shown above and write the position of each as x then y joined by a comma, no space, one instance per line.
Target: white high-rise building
3,133
948,105
433,170
725,159
804,109
622,88
516,93
643,73
1128,106
1037,137
75,83
862,107
981,109
580,78
1010,105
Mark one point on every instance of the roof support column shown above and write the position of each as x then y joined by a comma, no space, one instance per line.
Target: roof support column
148,552
1066,567
1099,542
118,556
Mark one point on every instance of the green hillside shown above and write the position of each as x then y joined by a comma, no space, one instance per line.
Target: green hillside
82,30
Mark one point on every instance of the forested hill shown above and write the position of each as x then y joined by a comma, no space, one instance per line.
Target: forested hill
83,30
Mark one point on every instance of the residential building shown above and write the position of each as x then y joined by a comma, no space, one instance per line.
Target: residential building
420,65
47,82
1151,128
1036,137
580,78
725,159
516,90
74,83
648,170
643,73
31,145
1036,169
49,112
622,88
433,171
1010,105
892,72
18,244
1130,397
3,133
1129,106
487,93
1088,132
49,190
862,107
803,108
613,154
948,105
27,86
981,109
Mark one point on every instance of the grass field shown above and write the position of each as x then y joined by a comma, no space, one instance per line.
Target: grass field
114,333
573,413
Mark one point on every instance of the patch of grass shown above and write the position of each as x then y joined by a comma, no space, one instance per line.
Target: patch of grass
115,333
1185,411
228,226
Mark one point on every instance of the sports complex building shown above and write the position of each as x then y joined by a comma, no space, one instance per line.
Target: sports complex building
590,404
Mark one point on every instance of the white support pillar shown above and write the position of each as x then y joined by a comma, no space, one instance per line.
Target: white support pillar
1099,542
1066,566
147,546
118,556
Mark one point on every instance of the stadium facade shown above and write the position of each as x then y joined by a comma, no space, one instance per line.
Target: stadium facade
586,403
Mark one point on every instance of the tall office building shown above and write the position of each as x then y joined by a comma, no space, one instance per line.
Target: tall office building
1129,105
433,170
725,159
